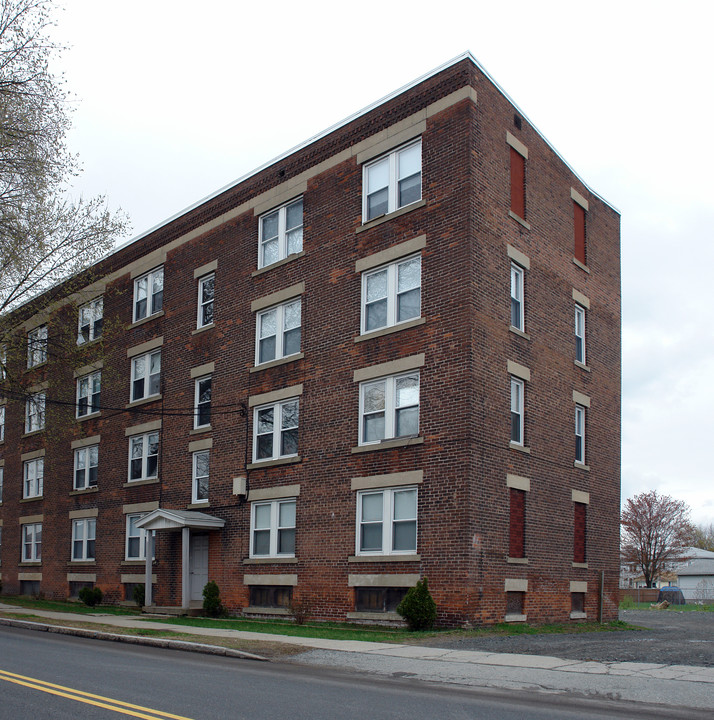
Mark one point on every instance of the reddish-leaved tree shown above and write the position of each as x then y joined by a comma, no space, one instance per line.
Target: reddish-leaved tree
656,531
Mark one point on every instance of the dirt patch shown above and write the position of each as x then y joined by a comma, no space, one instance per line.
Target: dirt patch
667,637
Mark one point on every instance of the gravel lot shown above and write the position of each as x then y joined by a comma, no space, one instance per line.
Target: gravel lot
669,638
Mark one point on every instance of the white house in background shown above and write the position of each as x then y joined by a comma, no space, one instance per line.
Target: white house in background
695,575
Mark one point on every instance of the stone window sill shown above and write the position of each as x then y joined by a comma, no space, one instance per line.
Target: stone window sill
515,618
273,463
137,483
389,330
388,444
519,220
89,416
578,616
271,561
520,448
376,616
582,366
254,610
277,264
391,216
383,558
275,363
143,401
520,333
580,465
145,320
517,561
85,491
203,328
581,265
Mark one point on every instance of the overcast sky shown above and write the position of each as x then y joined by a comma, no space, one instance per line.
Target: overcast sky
176,99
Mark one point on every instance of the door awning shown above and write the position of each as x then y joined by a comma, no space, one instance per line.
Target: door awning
162,519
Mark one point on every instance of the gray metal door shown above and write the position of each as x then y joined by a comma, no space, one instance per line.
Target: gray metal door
198,565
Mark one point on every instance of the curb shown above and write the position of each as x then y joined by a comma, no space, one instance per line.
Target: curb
134,639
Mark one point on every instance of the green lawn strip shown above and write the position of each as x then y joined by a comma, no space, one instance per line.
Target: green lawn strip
70,607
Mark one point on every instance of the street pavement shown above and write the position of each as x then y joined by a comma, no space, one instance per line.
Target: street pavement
682,686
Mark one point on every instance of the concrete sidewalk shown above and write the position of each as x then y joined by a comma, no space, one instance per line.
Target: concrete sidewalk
678,685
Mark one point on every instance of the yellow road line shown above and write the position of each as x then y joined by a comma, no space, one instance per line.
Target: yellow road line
89,698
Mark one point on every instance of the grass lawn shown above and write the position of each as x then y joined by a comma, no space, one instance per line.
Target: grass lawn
324,630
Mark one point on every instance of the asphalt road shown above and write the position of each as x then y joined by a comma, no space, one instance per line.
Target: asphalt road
61,677
669,638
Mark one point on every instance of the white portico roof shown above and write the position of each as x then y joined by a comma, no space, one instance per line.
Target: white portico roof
162,519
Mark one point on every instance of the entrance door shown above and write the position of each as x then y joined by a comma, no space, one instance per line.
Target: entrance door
198,565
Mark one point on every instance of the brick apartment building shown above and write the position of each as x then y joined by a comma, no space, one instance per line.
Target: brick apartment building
391,353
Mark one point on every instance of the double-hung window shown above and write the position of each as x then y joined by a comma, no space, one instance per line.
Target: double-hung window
91,321
518,319
392,181
32,542
33,478
149,294
2,423
391,294
517,413
89,394
280,233
278,332
580,434
201,464
202,402
35,412
206,293
144,456
37,346
146,375
387,521
273,529
84,533
275,430
135,538
580,334
2,479
389,408
86,466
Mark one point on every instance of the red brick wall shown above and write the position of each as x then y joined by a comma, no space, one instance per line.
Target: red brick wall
463,508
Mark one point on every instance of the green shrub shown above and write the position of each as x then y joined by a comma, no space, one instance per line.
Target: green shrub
91,596
628,603
212,600
418,607
139,594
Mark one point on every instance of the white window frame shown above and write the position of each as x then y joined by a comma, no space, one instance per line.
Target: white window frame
198,476
387,521
197,404
3,362
518,388
2,480
93,315
154,298
85,385
275,529
2,423
392,293
391,161
278,430
390,409
580,434
86,459
204,304
145,440
142,536
280,330
37,346
518,305
29,540
146,377
84,536
580,355
33,474
283,232
35,412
